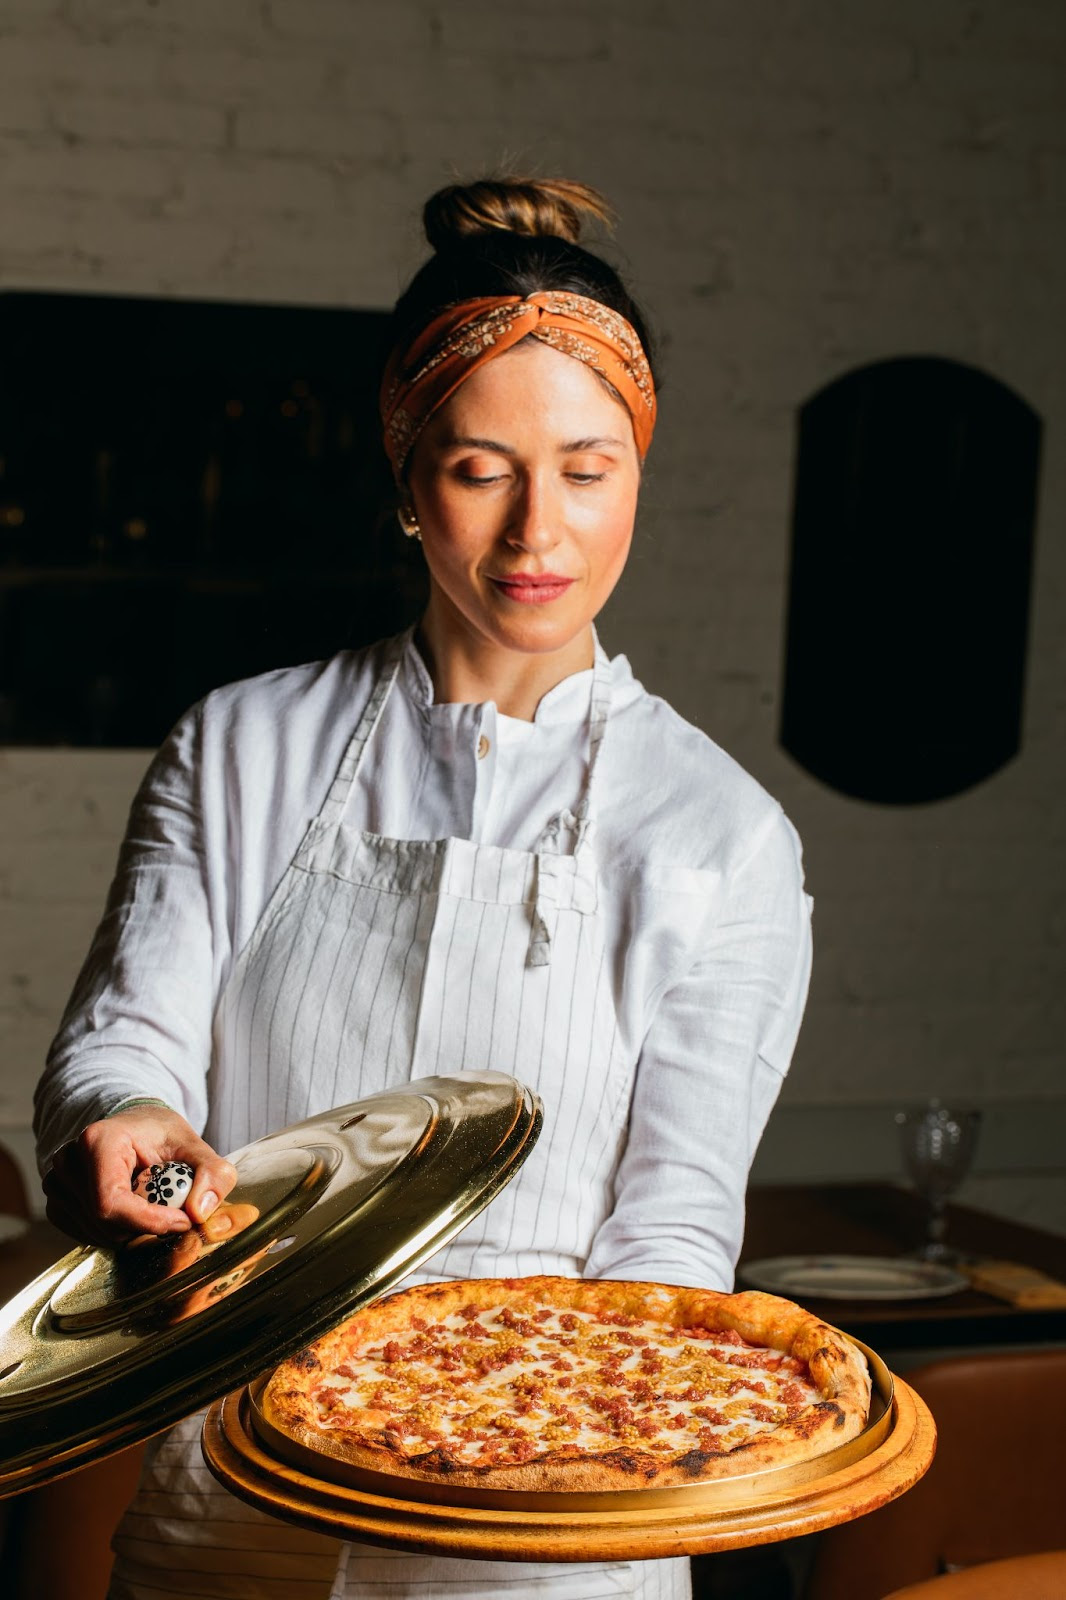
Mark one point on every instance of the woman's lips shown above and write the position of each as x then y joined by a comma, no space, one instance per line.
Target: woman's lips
532,589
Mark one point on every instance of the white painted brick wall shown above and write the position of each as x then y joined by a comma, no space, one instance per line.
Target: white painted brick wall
803,187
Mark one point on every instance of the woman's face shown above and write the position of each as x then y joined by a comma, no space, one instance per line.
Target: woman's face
525,487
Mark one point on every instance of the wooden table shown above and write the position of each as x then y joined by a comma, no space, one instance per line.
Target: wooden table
883,1219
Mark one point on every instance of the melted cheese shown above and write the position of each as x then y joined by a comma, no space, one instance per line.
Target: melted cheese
491,1386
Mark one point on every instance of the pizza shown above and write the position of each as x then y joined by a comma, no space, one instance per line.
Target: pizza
554,1384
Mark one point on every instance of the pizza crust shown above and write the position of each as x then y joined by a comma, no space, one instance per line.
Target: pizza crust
837,1370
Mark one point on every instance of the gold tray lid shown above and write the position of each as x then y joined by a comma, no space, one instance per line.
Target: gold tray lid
109,1346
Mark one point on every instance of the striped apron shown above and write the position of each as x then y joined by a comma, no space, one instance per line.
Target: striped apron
376,961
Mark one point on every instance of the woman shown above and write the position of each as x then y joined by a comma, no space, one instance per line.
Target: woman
480,845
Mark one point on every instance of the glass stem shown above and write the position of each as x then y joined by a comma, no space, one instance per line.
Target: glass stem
936,1228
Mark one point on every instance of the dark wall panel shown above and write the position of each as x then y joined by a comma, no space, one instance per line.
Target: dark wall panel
912,536
189,493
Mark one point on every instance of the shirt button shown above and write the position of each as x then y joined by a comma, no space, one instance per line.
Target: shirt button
482,748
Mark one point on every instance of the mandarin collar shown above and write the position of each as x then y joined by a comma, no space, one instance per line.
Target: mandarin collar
567,701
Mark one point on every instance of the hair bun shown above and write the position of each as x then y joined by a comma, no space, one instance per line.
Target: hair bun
535,207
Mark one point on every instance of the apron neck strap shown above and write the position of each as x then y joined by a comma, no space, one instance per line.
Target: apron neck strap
341,787
545,914
599,714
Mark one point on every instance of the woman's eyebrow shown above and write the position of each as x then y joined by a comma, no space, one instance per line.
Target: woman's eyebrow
468,442
576,446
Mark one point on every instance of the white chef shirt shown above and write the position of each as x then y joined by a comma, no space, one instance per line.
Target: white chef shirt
700,892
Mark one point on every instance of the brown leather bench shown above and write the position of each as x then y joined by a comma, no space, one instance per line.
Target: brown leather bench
994,1490
1039,1577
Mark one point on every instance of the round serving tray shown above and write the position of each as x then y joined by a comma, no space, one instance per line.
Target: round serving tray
735,1489
893,1452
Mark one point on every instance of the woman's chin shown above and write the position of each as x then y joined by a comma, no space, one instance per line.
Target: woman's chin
539,633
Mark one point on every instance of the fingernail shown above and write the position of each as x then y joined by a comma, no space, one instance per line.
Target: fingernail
208,1202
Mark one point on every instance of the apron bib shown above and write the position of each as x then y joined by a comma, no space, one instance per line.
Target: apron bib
379,960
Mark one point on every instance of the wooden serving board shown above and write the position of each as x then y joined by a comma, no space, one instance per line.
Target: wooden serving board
698,1526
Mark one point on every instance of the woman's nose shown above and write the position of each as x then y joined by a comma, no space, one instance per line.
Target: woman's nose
534,523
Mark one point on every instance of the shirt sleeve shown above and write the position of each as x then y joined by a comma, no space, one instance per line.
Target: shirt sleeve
138,1024
710,1070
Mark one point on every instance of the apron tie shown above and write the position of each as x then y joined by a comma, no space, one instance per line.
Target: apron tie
545,910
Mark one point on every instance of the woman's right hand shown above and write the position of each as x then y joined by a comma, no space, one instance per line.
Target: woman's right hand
90,1187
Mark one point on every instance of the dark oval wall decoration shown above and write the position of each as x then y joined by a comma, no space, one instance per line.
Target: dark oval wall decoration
912,536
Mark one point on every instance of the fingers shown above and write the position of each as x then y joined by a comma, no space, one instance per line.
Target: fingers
215,1177
89,1189
112,1152
73,1214
89,1194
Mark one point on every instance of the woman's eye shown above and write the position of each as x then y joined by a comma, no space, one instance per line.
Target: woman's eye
587,477
478,473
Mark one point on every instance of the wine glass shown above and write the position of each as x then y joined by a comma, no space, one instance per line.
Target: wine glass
938,1146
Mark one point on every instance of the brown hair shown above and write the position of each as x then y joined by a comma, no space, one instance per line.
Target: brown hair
507,236
533,207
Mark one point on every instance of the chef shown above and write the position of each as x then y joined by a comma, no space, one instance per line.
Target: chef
480,845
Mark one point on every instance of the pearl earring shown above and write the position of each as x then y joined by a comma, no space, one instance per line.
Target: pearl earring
408,521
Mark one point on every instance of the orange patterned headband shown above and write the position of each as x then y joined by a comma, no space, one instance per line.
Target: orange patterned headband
463,337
